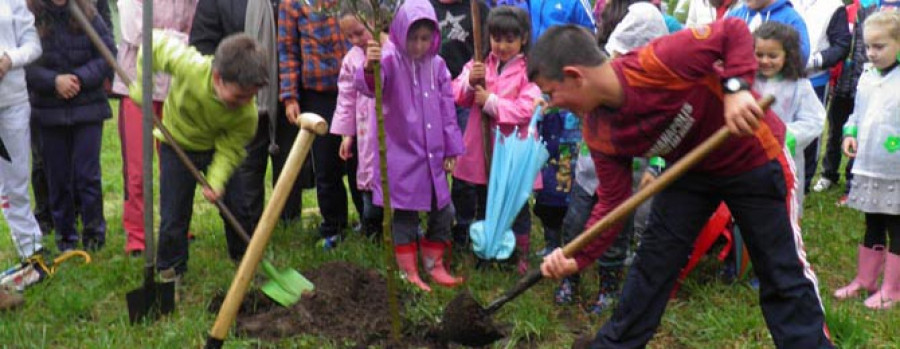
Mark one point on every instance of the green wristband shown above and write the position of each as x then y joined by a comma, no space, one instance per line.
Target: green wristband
790,142
850,131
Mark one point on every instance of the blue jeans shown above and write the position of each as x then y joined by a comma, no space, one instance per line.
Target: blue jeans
372,215
406,225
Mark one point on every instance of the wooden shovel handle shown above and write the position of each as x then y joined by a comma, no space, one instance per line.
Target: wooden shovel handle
261,235
664,180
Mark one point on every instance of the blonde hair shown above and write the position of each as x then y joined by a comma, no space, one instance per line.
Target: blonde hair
887,20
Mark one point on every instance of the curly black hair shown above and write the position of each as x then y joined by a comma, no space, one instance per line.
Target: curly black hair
794,66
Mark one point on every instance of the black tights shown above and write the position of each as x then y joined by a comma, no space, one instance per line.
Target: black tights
878,227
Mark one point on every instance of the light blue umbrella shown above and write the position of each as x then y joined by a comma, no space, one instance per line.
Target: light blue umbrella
514,167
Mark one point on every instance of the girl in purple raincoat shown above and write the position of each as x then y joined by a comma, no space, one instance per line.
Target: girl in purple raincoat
421,135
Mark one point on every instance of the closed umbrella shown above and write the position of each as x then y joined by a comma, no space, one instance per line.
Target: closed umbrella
514,167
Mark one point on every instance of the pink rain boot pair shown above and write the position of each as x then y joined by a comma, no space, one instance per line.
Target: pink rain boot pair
433,260
870,262
889,294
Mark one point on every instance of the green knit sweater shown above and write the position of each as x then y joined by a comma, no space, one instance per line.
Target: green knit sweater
193,113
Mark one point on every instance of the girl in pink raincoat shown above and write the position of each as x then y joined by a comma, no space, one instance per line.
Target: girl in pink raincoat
500,88
421,135
351,117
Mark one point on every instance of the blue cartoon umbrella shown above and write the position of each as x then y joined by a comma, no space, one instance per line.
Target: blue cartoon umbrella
515,165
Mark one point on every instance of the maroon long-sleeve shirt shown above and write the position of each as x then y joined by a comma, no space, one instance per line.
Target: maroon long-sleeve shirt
673,102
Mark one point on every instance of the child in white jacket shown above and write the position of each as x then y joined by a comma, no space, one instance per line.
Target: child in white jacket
781,75
19,45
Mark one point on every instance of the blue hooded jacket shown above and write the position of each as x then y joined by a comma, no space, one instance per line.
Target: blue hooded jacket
548,13
780,11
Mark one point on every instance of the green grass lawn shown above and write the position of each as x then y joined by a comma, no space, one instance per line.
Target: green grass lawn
83,306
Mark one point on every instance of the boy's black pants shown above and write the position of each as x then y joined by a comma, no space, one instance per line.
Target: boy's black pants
176,205
788,291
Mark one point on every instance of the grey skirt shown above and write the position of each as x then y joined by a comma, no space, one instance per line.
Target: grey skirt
874,195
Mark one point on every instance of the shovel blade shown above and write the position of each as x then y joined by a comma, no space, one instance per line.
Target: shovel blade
150,301
467,323
286,287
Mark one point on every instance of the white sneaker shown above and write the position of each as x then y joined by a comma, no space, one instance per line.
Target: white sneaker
822,185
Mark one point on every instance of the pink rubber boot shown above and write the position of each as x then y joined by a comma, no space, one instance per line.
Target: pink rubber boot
870,262
523,244
406,259
889,294
433,260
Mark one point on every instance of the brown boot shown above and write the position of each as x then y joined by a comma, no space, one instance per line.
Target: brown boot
10,299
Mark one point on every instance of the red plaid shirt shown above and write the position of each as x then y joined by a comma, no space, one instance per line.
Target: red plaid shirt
310,49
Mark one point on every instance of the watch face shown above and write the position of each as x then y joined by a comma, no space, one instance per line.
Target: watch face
733,85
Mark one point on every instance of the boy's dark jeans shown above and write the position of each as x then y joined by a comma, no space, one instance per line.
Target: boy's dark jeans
176,204
788,292
372,216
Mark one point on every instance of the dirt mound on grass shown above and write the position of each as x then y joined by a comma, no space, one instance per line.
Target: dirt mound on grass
349,305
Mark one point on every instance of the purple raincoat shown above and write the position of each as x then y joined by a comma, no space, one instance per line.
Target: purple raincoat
419,116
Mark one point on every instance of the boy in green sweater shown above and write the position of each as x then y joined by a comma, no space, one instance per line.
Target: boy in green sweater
211,113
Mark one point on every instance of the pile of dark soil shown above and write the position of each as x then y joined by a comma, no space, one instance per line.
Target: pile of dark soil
349,305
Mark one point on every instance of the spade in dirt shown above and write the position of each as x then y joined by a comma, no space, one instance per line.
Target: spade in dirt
285,287
467,323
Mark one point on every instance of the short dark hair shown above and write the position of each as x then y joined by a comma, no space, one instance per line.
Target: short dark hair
510,20
794,66
562,46
241,60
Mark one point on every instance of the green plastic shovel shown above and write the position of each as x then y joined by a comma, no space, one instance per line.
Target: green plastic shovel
284,287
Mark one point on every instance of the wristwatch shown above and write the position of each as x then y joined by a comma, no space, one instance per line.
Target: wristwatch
734,84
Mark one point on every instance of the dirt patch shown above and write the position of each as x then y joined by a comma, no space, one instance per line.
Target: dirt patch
349,306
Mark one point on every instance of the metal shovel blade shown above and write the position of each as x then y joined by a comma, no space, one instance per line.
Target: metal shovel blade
151,301
284,287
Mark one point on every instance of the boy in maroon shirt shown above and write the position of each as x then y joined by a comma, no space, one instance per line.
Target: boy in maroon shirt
664,100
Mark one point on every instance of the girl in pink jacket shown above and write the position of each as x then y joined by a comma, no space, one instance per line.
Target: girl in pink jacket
500,88
351,117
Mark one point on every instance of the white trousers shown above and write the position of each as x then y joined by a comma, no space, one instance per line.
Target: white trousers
15,176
